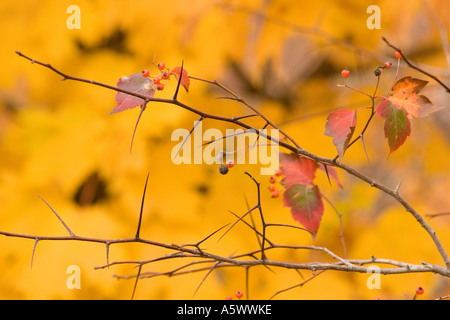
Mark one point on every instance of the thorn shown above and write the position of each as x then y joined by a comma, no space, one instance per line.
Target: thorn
143,107
397,187
137,279
179,82
59,218
142,207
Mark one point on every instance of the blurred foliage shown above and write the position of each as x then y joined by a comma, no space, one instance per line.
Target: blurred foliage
58,141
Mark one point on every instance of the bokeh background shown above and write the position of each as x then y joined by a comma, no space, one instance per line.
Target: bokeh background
284,57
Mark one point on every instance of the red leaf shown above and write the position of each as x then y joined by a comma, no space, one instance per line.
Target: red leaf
185,80
397,126
341,125
297,169
405,96
306,205
135,83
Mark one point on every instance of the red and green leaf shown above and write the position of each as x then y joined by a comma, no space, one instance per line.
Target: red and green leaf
397,126
301,194
405,95
185,80
135,83
306,205
341,125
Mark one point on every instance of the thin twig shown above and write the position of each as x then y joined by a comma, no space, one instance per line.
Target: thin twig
413,66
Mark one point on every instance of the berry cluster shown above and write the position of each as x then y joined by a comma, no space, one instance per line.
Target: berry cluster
345,73
163,75
239,294
273,180
387,65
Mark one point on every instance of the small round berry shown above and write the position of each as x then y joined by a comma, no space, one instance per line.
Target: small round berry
161,66
398,55
345,73
156,80
272,188
420,290
272,179
275,194
230,164
387,64
160,86
223,169
239,294
377,72
228,298
278,172
281,138
165,75
145,73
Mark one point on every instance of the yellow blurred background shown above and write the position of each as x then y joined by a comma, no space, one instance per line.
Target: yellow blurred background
58,142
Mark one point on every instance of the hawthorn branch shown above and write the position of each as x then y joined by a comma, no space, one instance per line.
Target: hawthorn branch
413,66
183,251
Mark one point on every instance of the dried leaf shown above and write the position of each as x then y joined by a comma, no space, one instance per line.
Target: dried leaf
405,96
185,80
135,83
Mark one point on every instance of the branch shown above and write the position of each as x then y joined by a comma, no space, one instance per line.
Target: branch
411,65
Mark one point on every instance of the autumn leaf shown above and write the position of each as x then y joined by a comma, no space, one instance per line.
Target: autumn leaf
341,125
306,205
405,96
185,80
397,126
302,195
297,169
134,83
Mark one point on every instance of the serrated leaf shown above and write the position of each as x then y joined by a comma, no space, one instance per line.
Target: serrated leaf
297,169
340,126
306,205
405,96
185,80
397,126
135,83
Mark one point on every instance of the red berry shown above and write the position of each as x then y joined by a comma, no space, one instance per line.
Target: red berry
230,163
345,73
387,64
419,290
281,138
239,294
278,173
165,75
145,73
156,80
229,298
161,65
160,86
272,179
398,55
272,188
275,194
